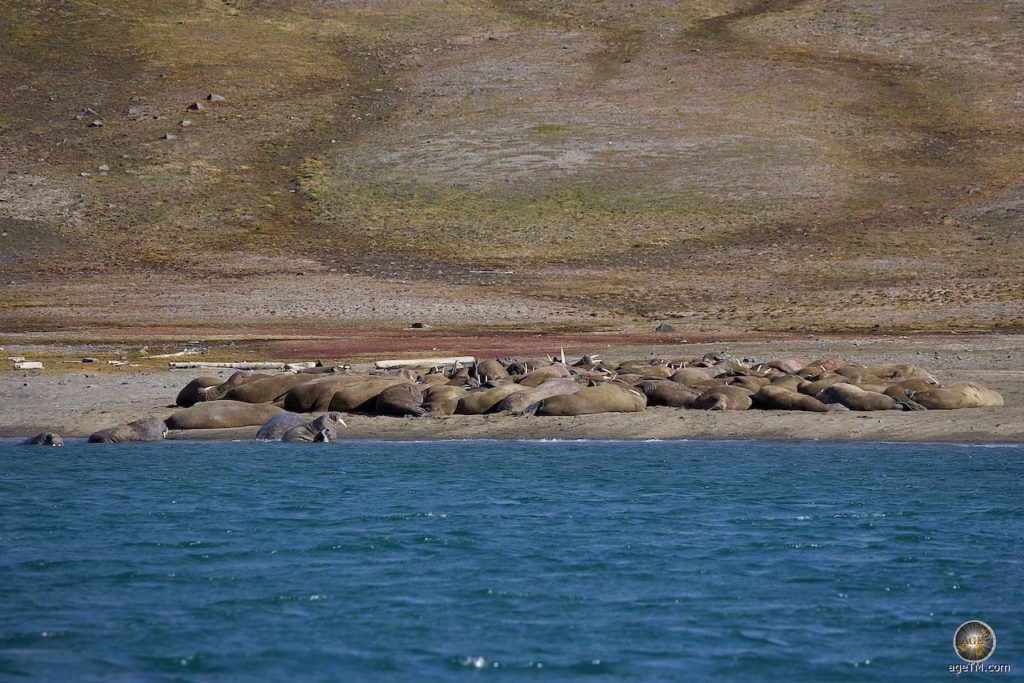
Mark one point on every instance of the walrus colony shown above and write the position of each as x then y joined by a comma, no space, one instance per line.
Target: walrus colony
288,406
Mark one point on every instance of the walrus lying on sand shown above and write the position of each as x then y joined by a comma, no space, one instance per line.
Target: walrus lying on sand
146,429
222,415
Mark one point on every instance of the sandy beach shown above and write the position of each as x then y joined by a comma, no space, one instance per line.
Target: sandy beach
77,399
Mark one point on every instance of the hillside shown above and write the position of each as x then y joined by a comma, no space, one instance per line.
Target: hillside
560,164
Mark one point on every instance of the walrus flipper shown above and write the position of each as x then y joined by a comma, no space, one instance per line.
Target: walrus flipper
911,405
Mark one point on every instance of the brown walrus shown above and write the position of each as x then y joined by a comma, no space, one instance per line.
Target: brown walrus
855,398
191,393
362,396
222,414
400,400
959,395
824,381
480,401
266,389
442,399
724,398
490,369
146,429
539,375
610,397
692,376
774,397
665,392
520,401
316,396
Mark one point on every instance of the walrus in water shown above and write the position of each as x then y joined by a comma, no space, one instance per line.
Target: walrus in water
520,401
855,398
400,400
666,392
44,439
959,395
774,397
323,429
274,428
610,397
222,414
146,429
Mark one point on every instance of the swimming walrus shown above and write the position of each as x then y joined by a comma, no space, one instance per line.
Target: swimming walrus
266,389
609,397
665,392
855,398
724,398
146,429
222,414
274,428
44,439
520,401
400,400
442,399
323,429
958,395
774,397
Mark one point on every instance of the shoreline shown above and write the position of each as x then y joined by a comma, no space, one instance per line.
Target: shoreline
76,400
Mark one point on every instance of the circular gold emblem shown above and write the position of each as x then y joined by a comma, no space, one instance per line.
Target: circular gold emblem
974,641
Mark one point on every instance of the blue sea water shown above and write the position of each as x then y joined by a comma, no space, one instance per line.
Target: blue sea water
681,561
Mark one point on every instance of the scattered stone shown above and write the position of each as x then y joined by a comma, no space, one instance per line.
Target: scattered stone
168,136
86,113
98,123
665,327
419,326
196,106
214,97
88,360
85,175
185,123
104,167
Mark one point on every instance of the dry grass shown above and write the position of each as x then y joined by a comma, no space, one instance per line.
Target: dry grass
771,164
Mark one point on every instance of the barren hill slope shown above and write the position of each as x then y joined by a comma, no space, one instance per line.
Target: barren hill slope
774,164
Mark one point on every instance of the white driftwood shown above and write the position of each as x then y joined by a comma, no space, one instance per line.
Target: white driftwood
412,362
29,365
16,359
184,365
298,367
186,352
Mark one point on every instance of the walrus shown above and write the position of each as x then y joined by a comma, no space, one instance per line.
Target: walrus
480,401
146,429
788,365
517,403
818,385
899,373
749,382
442,399
267,389
222,414
274,428
323,429
959,395
490,369
215,393
664,392
855,398
362,396
774,397
190,393
44,439
724,398
691,376
790,382
553,371
610,397
400,400
316,396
